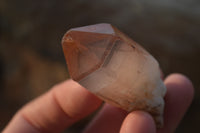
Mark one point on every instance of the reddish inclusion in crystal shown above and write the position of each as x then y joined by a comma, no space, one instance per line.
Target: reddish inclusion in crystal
86,48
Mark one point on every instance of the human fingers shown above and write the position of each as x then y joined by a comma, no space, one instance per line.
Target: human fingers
57,109
179,96
108,120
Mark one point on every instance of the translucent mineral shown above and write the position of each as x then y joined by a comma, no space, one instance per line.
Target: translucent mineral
115,68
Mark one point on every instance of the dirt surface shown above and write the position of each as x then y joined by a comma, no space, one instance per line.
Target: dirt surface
31,57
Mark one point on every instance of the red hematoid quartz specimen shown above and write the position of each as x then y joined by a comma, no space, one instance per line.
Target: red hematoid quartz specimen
115,68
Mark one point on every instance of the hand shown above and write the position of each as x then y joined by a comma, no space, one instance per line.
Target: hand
68,102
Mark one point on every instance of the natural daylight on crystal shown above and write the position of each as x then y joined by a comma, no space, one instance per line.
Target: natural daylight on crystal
115,68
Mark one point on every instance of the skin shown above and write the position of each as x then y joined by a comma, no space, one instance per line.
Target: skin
68,102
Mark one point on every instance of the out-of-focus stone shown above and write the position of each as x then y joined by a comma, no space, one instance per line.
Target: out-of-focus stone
115,68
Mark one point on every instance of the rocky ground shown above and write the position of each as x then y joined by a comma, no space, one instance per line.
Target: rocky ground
31,58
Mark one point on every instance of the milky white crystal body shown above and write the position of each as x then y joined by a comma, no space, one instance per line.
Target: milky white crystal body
123,73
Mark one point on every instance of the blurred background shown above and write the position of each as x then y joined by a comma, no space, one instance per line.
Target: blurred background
31,57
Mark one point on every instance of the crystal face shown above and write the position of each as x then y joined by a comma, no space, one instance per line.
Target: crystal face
115,68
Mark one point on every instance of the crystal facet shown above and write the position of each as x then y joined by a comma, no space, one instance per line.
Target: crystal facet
115,68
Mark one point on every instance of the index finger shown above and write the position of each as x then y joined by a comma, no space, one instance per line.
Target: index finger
57,109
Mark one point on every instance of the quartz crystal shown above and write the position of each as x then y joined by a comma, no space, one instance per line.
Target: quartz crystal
115,68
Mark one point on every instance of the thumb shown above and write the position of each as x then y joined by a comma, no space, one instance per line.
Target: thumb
138,122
